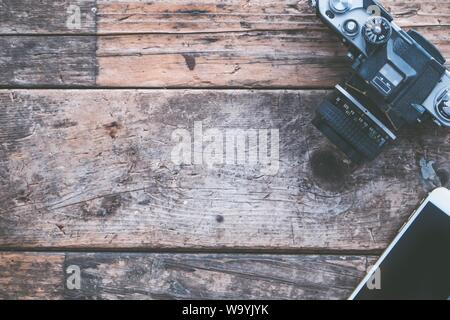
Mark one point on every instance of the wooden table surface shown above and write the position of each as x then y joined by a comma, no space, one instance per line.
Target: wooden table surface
86,177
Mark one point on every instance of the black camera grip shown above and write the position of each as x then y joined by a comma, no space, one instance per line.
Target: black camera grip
427,45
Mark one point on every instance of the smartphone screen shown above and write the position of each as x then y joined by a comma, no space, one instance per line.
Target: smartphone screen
418,266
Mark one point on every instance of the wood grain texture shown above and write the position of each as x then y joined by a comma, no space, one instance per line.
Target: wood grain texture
91,169
31,276
189,16
179,44
198,16
94,169
235,43
305,59
47,17
261,59
42,61
181,276
247,60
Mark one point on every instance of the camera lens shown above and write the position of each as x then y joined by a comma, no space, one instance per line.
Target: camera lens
351,127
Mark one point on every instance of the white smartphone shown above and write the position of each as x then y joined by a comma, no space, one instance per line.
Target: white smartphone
417,263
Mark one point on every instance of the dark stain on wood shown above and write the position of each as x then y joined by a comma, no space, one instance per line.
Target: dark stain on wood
245,25
144,202
192,12
65,123
219,218
329,169
113,128
109,205
61,228
190,61
210,39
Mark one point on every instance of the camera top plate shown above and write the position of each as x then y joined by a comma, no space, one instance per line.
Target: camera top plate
337,14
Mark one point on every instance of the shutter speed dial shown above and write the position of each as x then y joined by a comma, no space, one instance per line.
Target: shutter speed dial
377,31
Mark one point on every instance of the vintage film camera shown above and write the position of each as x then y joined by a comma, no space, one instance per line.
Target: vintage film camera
398,78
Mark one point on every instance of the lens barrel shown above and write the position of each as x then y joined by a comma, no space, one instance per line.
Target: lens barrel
351,127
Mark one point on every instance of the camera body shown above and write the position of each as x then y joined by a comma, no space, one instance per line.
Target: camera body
398,78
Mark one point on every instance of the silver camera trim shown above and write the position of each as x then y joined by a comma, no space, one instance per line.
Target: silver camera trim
432,102
355,12
366,112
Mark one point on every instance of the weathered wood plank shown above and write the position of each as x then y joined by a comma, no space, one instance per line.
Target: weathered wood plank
95,169
188,44
310,59
306,59
31,276
187,16
47,16
181,276
235,43
265,59
39,61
